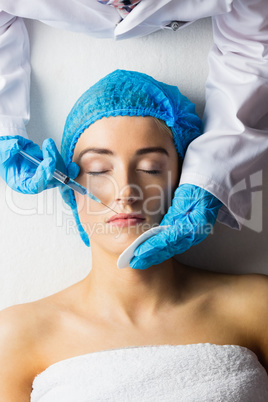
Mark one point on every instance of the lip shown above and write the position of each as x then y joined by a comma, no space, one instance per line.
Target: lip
126,219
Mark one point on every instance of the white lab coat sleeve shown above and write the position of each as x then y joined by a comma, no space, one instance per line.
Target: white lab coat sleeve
14,76
227,160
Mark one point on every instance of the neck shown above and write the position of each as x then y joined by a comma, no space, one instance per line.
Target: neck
130,295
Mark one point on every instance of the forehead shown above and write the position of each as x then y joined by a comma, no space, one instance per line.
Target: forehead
124,133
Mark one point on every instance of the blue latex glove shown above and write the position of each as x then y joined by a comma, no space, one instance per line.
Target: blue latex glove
192,215
25,177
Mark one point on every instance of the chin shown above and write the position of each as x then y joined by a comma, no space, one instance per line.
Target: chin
123,240
116,243
117,239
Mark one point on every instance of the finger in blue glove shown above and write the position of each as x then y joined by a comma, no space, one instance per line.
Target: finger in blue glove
22,175
191,218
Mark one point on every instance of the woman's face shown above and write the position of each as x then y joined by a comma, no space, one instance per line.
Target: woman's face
132,166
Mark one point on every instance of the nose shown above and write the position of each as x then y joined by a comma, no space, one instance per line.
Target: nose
128,192
128,195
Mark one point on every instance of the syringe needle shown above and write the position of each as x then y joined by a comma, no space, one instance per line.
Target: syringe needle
63,178
93,197
109,207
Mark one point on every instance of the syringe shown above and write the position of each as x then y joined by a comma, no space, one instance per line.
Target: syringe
65,180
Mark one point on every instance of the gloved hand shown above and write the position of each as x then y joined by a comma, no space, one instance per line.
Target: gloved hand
25,177
192,215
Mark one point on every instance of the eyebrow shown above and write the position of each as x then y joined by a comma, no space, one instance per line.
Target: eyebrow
104,151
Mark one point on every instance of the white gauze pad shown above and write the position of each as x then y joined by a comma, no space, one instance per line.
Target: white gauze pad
125,258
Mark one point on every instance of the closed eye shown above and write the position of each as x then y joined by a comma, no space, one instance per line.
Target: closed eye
96,173
149,171
138,170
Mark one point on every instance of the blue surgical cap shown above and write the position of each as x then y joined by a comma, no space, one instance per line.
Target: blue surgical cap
129,93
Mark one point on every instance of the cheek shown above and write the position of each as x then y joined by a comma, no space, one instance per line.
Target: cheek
158,195
155,191
90,212
81,202
85,208
103,187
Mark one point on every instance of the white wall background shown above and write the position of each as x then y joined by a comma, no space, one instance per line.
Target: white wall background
40,252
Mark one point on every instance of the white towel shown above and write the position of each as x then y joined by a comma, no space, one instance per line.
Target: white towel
166,373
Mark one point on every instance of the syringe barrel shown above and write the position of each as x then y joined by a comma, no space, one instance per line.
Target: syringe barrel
61,176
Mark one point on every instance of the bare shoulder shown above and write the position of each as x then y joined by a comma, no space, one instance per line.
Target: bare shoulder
247,294
15,327
252,289
257,282
23,331
237,287
251,300
17,352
